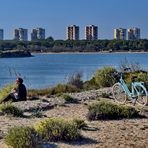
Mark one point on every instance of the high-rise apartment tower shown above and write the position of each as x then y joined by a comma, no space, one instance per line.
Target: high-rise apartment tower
1,34
133,34
91,32
21,34
73,32
38,34
120,34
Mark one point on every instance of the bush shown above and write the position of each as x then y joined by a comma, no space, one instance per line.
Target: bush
104,77
80,123
63,88
90,84
9,109
57,129
105,95
60,88
108,110
38,92
76,80
5,91
22,137
37,113
69,99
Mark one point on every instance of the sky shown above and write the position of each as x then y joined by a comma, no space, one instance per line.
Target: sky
56,15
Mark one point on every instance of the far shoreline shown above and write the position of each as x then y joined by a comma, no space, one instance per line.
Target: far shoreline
107,52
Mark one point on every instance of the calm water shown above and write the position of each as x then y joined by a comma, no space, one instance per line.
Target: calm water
45,70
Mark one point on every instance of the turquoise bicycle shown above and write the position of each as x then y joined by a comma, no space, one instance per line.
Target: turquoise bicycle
121,92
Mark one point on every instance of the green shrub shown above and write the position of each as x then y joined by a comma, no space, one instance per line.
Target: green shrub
5,91
128,112
57,129
104,77
105,95
80,123
90,84
76,80
22,137
108,110
62,88
69,99
38,92
9,109
37,113
142,77
59,89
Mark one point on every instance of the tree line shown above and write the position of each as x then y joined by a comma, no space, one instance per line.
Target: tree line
51,45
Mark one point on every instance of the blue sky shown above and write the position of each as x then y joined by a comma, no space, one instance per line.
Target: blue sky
55,15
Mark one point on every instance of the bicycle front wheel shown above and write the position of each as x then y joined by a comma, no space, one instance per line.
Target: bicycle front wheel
142,98
119,94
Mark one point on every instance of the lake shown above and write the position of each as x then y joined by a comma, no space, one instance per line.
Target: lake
45,70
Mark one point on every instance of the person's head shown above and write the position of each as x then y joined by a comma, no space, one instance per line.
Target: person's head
19,80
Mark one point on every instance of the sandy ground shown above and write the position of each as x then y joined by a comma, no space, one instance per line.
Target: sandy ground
125,133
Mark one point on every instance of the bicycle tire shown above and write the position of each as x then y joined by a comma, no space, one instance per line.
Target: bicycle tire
142,98
119,94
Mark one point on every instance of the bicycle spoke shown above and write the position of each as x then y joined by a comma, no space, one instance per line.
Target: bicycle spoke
142,95
119,94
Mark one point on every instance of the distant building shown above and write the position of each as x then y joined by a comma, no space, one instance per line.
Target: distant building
1,34
38,34
91,32
72,32
133,34
21,34
120,34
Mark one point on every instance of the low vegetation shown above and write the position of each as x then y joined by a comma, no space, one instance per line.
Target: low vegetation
57,130
51,45
80,123
108,110
9,109
34,93
105,95
59,89
104,77
22,137
76,80
69,99
5,91
51,129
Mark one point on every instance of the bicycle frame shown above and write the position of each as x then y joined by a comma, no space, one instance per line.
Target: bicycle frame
134,92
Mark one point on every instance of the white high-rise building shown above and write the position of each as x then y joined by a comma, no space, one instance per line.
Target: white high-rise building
1,34
133,34
21,34
91,32
72,32
38,34
120,34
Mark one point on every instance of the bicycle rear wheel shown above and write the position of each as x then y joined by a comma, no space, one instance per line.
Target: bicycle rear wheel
119,94
142,98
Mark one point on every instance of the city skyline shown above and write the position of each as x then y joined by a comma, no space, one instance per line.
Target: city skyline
55,15
73,32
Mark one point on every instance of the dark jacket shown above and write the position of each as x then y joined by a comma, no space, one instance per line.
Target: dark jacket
22,92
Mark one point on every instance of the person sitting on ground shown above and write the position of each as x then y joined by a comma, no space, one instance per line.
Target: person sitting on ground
17,94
